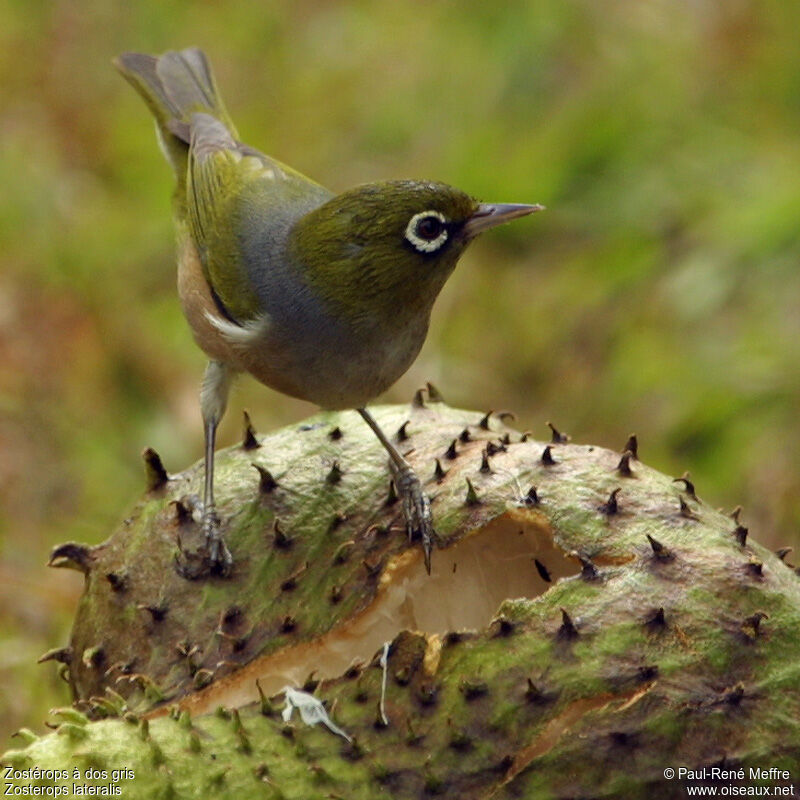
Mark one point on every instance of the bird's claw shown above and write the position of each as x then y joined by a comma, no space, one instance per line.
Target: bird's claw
220,560
213,558
416,510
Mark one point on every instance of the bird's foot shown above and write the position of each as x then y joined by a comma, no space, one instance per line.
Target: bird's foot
213,558
220,560
416,510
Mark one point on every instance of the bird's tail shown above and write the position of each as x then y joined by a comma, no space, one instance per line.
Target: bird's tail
174,86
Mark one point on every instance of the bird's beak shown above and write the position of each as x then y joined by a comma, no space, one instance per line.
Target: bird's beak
488,215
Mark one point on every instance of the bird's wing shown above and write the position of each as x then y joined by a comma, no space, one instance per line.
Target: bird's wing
233,190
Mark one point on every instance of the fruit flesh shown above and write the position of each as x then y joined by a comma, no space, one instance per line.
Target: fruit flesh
467,584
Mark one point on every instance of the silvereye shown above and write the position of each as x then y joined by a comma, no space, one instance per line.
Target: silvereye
323,297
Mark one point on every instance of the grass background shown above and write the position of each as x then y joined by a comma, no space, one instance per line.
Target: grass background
660,292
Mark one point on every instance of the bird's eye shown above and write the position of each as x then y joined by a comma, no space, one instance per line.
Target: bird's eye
427,231
429,228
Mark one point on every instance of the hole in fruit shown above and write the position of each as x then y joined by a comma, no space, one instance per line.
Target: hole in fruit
468,583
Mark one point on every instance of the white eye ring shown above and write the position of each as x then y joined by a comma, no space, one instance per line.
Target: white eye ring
426,245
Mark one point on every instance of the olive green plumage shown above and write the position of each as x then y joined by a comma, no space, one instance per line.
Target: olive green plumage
322,297
248,213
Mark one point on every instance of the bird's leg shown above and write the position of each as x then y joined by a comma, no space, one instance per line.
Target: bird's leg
213,400
416,506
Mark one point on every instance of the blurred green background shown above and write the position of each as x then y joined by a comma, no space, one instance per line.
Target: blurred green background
660,292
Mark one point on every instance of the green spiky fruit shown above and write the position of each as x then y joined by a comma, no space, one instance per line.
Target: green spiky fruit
589,622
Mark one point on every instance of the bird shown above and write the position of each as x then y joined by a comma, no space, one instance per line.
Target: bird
321,296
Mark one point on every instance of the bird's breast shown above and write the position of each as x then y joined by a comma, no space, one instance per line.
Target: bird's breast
335,366
307,351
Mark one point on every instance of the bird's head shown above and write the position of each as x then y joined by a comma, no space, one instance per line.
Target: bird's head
388,247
